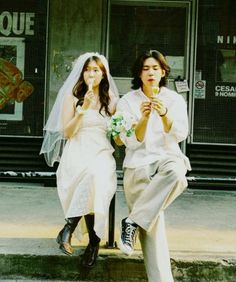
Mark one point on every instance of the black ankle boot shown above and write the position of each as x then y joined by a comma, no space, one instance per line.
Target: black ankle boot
90,255
91,252
64,236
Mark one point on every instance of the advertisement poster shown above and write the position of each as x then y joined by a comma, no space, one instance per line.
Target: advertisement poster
22,67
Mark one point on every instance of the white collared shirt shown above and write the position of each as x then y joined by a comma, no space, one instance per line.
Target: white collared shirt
157,144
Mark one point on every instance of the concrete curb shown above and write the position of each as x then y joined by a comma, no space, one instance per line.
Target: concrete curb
110,267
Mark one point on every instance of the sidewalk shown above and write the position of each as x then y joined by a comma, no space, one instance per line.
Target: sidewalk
201,227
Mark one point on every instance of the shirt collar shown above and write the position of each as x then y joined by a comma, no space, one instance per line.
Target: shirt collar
141,94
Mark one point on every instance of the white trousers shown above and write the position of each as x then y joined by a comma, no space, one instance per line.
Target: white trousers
148,191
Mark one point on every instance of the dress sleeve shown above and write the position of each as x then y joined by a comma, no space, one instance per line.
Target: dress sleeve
113,102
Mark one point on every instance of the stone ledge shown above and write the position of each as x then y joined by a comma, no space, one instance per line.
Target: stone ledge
111,267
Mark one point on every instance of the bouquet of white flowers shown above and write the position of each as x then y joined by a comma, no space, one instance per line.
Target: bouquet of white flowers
120,122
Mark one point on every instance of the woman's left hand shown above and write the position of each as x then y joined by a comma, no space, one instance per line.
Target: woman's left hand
159,106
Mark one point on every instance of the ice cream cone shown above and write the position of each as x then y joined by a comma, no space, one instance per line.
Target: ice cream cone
90,84
155,90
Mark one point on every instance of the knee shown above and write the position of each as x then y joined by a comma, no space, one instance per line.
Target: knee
177,175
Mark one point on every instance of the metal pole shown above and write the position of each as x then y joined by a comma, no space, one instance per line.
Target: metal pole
111,228
212,179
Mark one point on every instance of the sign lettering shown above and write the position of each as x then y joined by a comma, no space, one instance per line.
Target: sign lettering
225,91
221,39
17,23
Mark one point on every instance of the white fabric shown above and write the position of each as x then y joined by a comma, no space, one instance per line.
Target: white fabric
155,252
54,140
157,144
149,190
86,176
164,181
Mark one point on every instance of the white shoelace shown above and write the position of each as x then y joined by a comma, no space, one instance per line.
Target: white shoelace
129,234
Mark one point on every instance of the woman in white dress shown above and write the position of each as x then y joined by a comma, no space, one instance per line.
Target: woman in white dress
76,136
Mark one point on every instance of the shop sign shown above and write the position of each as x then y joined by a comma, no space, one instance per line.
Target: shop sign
16,23
181,86
228,91
227,39
226,67
200,89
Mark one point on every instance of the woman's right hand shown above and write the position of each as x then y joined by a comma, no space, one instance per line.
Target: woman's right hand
89,98
146,108
140,128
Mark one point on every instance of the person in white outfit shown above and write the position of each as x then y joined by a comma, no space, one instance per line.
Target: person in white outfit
76,136
154,165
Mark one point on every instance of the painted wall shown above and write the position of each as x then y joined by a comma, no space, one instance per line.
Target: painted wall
75,27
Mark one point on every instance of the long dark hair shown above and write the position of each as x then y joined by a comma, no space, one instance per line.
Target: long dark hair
138,66
81,88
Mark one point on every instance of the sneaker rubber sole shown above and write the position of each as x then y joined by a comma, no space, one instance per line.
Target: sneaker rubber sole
124,249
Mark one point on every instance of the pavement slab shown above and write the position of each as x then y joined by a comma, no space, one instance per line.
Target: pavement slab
201,231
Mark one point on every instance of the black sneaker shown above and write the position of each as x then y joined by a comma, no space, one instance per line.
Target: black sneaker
126,242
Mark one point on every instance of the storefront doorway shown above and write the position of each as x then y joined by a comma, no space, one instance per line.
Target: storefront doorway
167,26
214,103
136,26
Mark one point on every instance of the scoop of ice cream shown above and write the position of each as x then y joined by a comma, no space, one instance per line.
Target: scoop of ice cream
155,90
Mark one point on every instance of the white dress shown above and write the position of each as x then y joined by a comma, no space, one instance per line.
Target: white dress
86,176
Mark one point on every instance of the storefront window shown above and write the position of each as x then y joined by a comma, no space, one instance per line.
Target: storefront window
214,118
137,26
226,65
22,67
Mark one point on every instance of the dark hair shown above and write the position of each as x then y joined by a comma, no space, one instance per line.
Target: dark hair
138,66
81,88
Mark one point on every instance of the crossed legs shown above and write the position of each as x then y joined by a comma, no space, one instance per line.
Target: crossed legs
149,190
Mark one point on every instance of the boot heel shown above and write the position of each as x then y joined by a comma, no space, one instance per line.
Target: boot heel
64,236
58,239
